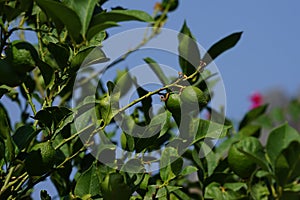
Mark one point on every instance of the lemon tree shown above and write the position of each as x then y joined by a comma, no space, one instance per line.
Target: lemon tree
53,132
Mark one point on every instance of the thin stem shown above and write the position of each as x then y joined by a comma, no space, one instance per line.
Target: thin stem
12,183
8,177
73,136
29,99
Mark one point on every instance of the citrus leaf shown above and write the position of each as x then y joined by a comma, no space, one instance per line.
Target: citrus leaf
167,171
188,170
189,54
60,54
4,123
24,135
252,115
84,10
61,14
47,72
162,192
180,194
110,19
133,166
121,15
88,183
221,46
279,139
287,164
209,129
88,56
156,68
95,29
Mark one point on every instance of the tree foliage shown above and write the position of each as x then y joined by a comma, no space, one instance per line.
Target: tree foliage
39,77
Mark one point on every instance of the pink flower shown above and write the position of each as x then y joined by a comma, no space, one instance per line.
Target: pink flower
256,99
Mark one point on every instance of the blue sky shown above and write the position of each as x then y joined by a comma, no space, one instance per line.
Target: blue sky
267,54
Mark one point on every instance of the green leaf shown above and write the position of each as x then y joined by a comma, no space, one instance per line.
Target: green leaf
110,19
250,130
252,115
61,14
210,156
60,53
151,192
10,12
257,157
189,54
180,194
172,188
146,102
279,139
144,183
133,166
86,57
287,164
294,187
88,183
235,186
24,135
259,191
221,46
5,134
188,170
47,72
84,10
53,117
170,164
157,70
162,192
209,129
4,123
216,191
108,106
121,15
44,195
97,28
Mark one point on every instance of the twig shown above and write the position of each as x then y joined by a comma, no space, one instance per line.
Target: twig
29,99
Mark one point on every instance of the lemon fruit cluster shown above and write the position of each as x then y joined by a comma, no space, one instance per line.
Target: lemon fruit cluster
40,159
238,161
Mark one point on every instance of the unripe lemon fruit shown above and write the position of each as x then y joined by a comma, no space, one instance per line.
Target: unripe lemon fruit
193,96
40,159
8,76
238,161
173,103
22,56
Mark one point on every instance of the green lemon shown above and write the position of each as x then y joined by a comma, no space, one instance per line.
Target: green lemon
173,4
240,163
8,76
114,187
40,159
193,96
173,103
22,55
